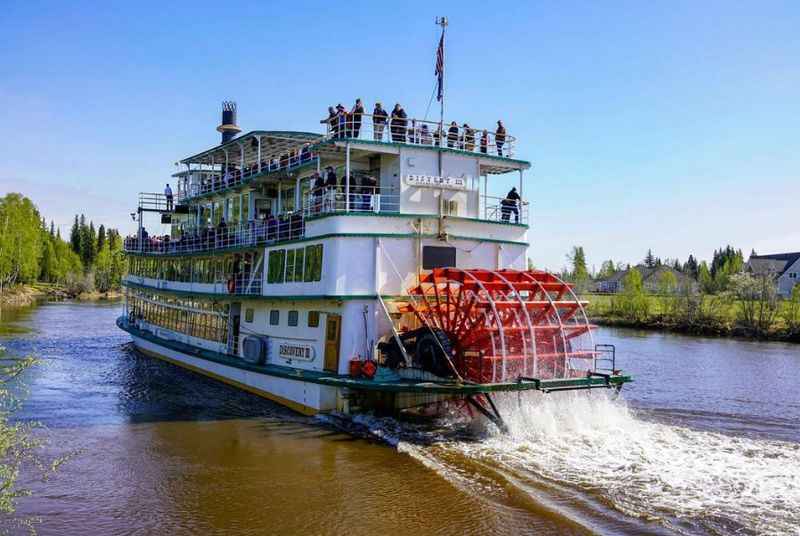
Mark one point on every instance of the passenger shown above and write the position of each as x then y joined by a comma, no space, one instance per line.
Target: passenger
398,124
469,138
379,118
425,135
355,117
341,120
330,177
305,153
168,195
452,134
332,122
484,141
437,136
369,187
500,137
510,204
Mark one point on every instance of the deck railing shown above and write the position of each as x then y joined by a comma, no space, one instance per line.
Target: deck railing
236,177
420,132
360,199
504,210
250,234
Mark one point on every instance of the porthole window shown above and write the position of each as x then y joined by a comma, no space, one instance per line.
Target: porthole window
274,317
293,316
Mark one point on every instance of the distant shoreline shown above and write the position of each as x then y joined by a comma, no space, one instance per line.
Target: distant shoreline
714,330
27,295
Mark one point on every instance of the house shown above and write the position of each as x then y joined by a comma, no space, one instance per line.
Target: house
783,267
651,279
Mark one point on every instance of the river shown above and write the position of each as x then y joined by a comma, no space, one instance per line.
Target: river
705,441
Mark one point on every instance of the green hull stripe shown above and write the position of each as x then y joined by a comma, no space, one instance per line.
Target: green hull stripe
335,380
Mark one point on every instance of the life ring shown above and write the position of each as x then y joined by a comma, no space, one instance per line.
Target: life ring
369,368
231,285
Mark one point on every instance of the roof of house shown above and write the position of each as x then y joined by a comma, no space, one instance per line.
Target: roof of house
775,264
647,272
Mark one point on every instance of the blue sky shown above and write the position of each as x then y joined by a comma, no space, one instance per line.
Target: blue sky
665,125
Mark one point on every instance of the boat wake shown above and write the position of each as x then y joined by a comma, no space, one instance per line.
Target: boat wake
595,461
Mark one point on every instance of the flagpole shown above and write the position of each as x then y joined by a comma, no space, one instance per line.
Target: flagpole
442,21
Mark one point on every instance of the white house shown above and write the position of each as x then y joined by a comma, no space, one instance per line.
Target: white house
784,267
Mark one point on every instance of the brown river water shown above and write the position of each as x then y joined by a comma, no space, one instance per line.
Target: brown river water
706,441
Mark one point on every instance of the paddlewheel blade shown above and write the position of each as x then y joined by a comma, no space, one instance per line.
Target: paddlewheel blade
506,324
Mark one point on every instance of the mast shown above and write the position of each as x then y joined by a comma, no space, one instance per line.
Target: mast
441,21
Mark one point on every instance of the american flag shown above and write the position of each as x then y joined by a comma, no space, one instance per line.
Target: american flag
440,69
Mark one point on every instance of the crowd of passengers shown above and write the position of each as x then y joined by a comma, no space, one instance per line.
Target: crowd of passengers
232,175
347,124
265,228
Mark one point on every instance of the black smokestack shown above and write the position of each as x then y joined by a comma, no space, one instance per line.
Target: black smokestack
229,128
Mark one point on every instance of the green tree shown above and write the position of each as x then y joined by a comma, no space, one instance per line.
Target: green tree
649,259
607,269
75,236
632,302
758,301
101,237
667,283
791,312
20,240
704,278
579,274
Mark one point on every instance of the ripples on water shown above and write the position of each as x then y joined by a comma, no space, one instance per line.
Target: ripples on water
683,455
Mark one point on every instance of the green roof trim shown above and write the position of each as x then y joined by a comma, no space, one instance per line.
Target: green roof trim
309,137
443,387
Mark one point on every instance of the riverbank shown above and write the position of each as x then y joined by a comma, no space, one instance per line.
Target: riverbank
666,314
26,295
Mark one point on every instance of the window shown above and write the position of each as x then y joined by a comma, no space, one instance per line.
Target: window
792,275
313,263
290,265
274,317
438,257
313,319
276,263
293,316
248,315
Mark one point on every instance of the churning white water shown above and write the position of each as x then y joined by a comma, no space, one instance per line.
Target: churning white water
675,477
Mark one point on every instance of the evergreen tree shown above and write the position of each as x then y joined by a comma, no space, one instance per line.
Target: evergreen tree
101,238
75,236
607,269
52,229
579,274
649,259
690,267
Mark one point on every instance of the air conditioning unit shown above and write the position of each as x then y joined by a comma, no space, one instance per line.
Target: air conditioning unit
255,349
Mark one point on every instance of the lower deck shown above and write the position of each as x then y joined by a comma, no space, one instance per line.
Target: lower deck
311,391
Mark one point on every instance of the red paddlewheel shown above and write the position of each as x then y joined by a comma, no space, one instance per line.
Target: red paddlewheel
507,323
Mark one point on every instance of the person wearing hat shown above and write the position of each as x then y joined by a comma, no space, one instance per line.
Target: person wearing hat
379,118
469,138
341,121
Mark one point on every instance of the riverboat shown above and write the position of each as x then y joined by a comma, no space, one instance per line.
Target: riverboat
362,268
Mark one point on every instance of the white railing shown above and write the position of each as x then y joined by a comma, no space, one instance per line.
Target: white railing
419,132
504,210
360,199
250,234
235,177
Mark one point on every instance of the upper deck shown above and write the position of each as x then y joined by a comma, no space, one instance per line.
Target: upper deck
263,186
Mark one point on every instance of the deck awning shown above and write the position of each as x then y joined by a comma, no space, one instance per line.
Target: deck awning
274,143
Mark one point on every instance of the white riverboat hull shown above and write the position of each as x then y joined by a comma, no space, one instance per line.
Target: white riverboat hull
304,397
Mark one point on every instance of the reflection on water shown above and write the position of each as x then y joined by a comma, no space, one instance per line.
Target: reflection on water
706,441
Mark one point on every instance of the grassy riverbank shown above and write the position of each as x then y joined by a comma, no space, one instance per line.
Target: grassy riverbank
699,315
